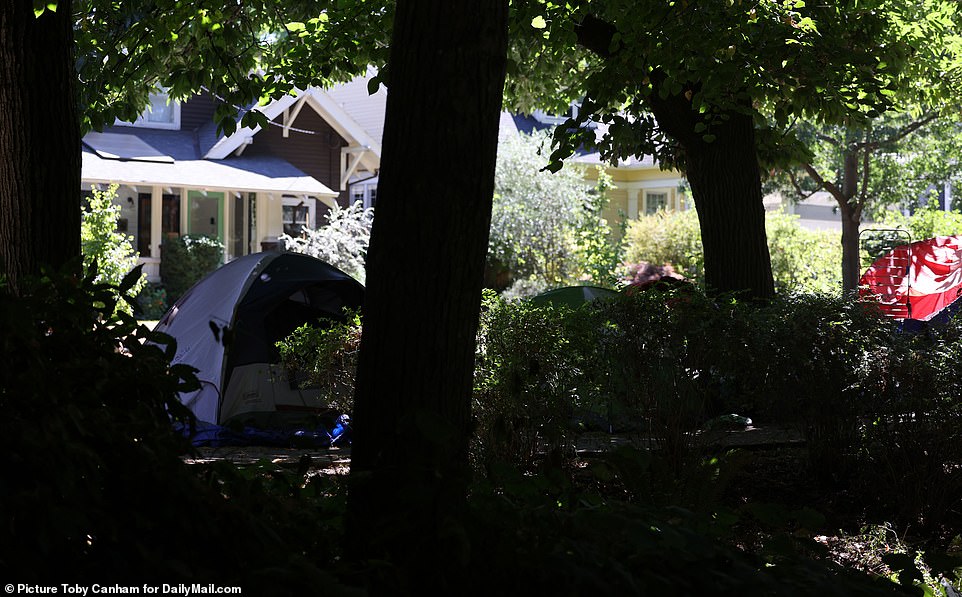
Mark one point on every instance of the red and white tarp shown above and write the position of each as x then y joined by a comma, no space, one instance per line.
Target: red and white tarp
916,281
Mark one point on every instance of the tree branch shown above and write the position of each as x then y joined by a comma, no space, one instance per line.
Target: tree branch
901,134
828,139
828,186
798,187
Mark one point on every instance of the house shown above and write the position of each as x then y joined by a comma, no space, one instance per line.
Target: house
640,188
176,175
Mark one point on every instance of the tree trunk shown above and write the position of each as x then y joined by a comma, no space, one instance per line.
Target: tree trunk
39,140
851,264
726,186
409,469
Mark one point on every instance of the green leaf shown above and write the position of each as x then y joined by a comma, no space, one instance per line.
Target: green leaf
538,22
373,84
131,279
41,6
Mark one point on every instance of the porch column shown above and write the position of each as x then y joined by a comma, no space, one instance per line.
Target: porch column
184,212
225,213
156,220
262,205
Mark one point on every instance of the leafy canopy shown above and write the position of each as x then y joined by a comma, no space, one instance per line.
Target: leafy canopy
243,51
775,60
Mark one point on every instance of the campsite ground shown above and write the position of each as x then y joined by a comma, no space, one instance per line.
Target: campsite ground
771,493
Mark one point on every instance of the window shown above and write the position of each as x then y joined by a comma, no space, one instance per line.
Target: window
365,194
298,214
357,193
655,202
161,113
170,216
204,210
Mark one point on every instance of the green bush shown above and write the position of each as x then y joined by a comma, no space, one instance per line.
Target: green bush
927,222
672,238
325,358
153,302
547,227
101,244
187,259
802,260
660,365
531,375
913,437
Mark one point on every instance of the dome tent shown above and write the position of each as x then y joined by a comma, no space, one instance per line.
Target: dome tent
227,325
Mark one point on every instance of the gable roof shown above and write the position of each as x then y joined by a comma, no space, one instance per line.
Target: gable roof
332,111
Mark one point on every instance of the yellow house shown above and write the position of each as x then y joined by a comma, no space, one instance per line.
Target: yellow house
641,187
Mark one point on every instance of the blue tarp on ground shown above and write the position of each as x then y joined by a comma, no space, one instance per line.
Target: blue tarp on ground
217,436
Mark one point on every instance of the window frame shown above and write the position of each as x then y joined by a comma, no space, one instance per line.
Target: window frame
144,123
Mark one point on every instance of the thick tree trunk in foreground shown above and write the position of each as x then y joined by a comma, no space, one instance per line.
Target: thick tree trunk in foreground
409,469
39,140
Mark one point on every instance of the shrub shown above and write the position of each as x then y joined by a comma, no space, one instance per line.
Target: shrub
342,242
913,437
667,238
599,250
325,358
802,260
547,227
110,252
532,374
153,301
187,259
661,365
927,222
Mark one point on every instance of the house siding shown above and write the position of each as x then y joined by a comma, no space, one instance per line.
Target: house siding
196,112
317,155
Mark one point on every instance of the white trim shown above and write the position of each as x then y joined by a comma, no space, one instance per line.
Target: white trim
208,188
357,154
144,123
327,108
654,183
291,115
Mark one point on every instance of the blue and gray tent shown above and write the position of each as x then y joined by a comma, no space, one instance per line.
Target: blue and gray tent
227,326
